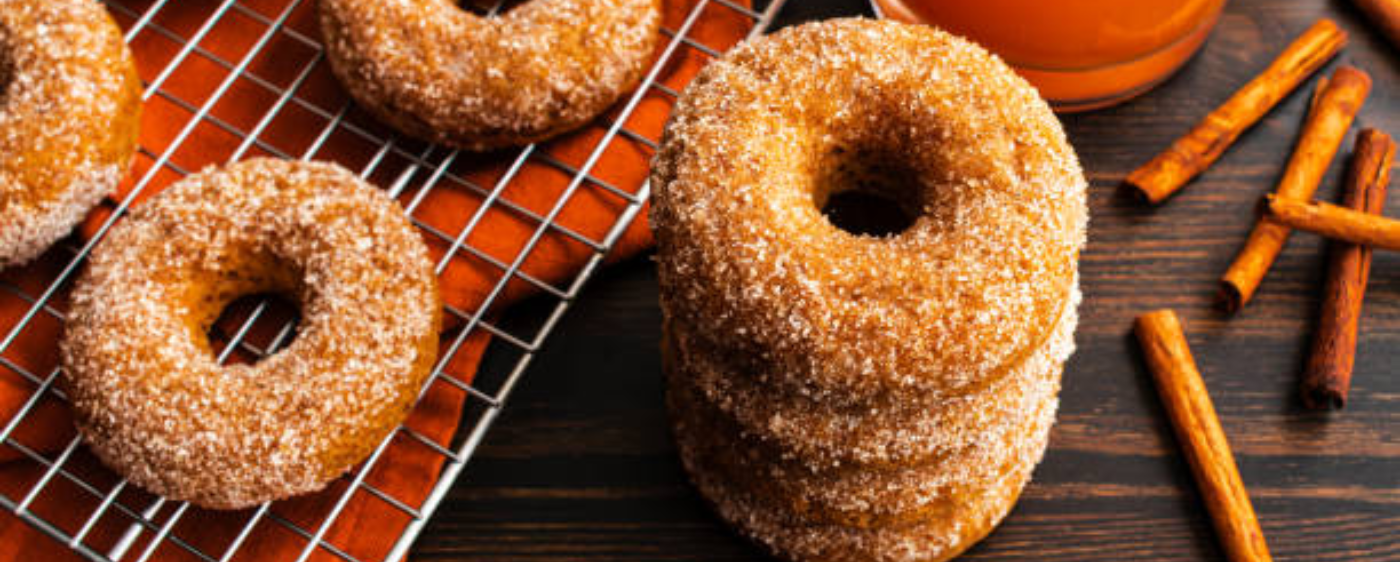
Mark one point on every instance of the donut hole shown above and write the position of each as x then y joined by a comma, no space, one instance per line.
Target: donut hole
866,213
274,320
866,193
489,8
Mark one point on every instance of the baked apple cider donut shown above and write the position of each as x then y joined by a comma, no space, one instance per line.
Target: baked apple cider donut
70,108
148,395
765,136
440,73
906,431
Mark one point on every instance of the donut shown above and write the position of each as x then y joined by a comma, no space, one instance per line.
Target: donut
765,136
900,433
792,538
70,109
860,496
149,397
440,73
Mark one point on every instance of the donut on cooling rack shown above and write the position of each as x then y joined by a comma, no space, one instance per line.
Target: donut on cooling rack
846,396
70,107
148,394
437,72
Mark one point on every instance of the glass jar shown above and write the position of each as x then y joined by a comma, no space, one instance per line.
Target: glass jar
1080,54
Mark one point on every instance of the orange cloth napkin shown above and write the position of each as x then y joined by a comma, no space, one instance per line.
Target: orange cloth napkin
368,526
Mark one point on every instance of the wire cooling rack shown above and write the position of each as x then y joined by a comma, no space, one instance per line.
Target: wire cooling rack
278,55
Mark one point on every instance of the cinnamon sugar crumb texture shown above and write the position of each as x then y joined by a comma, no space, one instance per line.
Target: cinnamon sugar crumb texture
840,396
70,106
147,393
437,72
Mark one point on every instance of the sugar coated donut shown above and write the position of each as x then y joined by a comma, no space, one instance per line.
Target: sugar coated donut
793,538
905,431
858,496
70,107
435,71
761,140
148,395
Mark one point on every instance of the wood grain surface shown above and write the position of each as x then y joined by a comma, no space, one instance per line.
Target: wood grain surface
581,467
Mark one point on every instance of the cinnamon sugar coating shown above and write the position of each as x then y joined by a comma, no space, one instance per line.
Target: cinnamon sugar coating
70,109
762,138
437,72
147,393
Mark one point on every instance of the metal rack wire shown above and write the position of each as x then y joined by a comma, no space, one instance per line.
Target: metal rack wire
407,169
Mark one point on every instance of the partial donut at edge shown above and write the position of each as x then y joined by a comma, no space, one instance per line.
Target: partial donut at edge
70,111
440,73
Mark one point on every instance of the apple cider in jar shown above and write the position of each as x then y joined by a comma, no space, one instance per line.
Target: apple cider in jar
1080,54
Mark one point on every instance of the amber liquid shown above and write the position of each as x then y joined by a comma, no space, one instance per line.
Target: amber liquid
1080,54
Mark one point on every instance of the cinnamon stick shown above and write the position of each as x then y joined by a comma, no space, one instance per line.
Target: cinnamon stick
1191,154
1198,431
1384,14
1327,374
1326,127
1332,221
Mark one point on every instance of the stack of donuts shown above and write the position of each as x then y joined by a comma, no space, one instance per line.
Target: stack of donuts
846,396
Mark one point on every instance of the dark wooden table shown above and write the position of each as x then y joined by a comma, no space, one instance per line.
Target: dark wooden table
581,465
